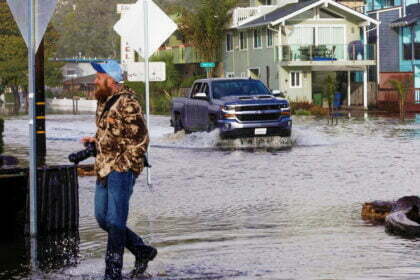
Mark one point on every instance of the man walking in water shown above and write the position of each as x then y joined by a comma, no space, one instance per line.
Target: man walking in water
121,142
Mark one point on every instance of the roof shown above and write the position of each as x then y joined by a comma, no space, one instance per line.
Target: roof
413,15
279,13
291,10
82,60
81,80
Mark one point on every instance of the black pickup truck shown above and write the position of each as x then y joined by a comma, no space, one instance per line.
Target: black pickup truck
237,107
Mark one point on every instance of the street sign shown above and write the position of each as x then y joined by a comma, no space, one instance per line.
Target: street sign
134,28
157,72
207,64
130,27
43,12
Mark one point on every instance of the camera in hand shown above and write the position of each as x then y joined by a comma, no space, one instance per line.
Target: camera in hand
90,151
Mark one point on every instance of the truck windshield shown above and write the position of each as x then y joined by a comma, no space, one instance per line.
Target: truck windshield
238,88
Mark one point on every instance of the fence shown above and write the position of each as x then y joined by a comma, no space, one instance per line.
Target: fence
388,99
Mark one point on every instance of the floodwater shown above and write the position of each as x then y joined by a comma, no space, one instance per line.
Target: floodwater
293,213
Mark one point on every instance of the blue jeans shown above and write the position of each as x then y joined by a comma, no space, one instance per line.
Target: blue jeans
111,211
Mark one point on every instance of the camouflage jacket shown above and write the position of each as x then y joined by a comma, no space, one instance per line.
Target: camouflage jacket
122,136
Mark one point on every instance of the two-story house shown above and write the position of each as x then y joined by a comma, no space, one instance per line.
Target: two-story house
292,46
398,40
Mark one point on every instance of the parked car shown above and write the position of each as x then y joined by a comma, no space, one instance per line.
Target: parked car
237,107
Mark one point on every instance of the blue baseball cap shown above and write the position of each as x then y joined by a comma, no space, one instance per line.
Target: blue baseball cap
111,68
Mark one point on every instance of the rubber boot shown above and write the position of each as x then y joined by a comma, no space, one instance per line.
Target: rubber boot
114,254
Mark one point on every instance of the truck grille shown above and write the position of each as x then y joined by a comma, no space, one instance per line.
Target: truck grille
259,108
264,117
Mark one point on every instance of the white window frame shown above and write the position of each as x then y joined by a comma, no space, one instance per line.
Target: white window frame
227,42
245,34
272,37
300,79
254,37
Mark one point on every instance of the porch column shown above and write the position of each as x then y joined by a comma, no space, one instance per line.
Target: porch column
279,43
365,88
348,89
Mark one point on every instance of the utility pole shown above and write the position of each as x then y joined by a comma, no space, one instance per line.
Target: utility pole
40,106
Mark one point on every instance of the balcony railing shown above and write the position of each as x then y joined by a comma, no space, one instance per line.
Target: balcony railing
327,52
181,55
242,15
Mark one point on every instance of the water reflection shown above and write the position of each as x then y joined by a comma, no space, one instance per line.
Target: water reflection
293,214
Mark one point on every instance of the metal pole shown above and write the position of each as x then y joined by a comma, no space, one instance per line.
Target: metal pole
146,79
32,134
40,105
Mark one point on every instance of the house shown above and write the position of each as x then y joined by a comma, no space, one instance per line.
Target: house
398,40
293,46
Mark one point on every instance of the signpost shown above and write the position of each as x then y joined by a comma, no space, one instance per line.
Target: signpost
207,66
32,17
134,27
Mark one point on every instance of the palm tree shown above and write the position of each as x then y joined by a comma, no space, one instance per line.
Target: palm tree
402,88
204,28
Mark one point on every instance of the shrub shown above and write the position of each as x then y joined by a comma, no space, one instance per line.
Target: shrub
302,112
304,108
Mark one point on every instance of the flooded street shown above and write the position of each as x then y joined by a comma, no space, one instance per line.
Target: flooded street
217,213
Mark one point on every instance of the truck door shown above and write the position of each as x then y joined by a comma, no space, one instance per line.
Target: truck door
190,108
202,105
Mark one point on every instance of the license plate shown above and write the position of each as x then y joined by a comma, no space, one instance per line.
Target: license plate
260,131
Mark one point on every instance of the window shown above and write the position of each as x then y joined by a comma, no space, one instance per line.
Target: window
295,79
205,89
196,89
243,42
302,35
269,38
408,45
229,42
257,39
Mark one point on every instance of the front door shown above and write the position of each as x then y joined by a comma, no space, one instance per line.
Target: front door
203,108
190,108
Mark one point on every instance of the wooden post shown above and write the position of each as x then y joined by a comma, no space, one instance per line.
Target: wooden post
40,106
348,89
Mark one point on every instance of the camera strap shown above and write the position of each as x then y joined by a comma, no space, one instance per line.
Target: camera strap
109,104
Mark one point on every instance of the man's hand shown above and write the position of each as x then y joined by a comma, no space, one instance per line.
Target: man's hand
88,139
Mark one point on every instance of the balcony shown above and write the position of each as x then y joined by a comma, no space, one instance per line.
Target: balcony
244,15
322,54
181,54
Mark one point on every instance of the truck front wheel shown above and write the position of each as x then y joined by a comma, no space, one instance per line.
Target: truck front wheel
211,124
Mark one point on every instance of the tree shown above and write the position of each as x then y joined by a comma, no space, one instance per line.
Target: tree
402,88
204,28
86,28
173,76
13,55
